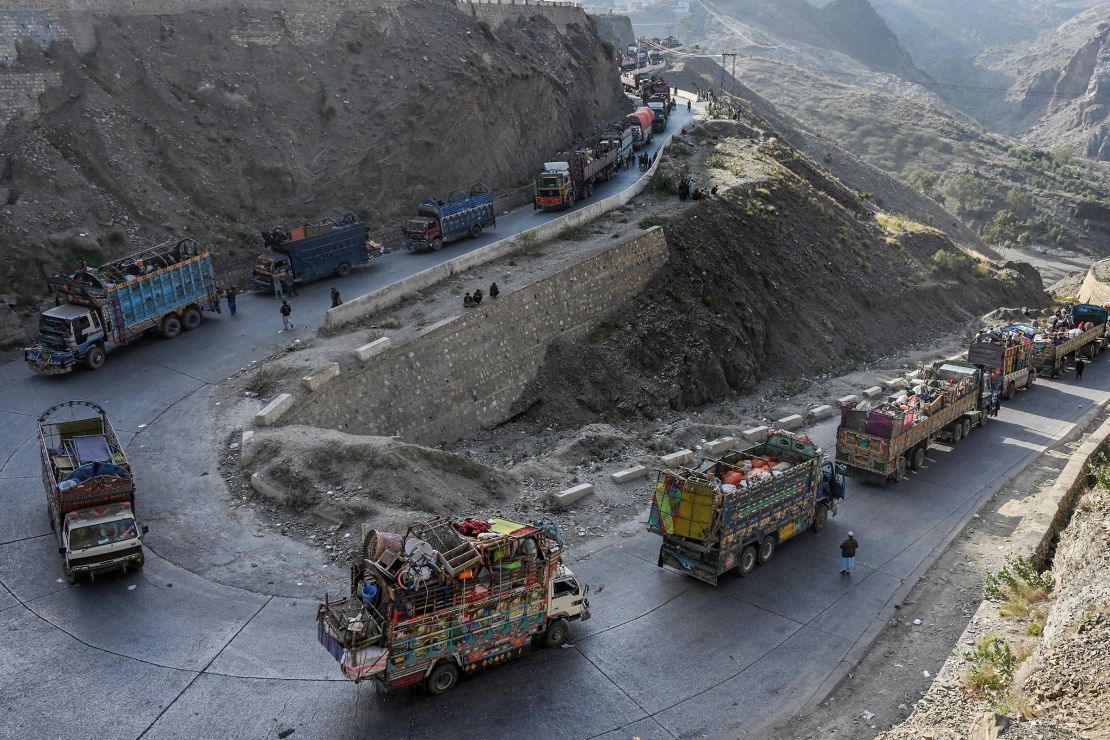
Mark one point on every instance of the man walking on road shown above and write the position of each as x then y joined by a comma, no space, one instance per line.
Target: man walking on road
231,293
335,299
286,310
848,554
1079,365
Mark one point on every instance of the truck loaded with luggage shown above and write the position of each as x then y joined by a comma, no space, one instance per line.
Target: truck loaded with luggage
1079,332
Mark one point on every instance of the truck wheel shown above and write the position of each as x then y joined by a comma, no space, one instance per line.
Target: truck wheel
556,633
917,458
767,549
171,327
94,358
475,231
1032,379
190,319
820,518
71,577
966,427
1010,390
344,269
570,200
442,679
748,559
437,244
957,432
139,565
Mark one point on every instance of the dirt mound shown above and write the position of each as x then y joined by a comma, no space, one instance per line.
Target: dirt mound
214,123
781,278
352,479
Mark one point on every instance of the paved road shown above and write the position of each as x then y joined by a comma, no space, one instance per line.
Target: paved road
216,637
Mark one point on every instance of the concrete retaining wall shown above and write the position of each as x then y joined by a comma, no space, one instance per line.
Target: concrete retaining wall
468,372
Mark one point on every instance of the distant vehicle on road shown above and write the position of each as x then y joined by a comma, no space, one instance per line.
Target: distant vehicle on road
1054,350
1007,354
313,250
619,136
450,597
163,289
733,512
881,443
563,183
641,121
90,492
463,214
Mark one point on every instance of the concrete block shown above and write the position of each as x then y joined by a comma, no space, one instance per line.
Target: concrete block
246,448
842,402
571,495
366,351
631,474
821,412
756,434
895,384
873,392
267,489
717,446
321,378
793,421
678,458
274,410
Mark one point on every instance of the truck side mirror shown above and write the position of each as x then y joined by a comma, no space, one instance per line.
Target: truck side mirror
61,551
146,528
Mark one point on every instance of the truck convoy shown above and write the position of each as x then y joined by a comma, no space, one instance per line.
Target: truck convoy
90,492
163,289
1082,333
563,183
1007,356
734,511
618,137
312,250
450,597
464,213
879,443
641,121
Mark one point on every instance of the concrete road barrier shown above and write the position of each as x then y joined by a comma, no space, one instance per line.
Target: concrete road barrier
873,392
895,384
246,448
821,412
678,458
274,410
321,378
366,351
267,489
717,446
565,498
757,434
842,402
794,421
630,474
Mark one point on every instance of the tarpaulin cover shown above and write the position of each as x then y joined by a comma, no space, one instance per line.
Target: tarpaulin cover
682,508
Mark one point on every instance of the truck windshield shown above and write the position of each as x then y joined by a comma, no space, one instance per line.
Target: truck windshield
54,332
415,226
551,182
104,533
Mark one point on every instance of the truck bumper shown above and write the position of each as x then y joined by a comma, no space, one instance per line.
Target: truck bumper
415,246
674,560
260,285
128,559
48,362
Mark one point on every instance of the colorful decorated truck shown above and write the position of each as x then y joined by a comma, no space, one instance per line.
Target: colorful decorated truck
732,512
450,597
1053,350
1005,354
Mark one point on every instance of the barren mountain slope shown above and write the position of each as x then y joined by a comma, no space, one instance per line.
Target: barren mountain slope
217,122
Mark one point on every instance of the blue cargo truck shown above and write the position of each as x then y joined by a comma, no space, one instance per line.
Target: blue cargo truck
163,289
310,251
438,222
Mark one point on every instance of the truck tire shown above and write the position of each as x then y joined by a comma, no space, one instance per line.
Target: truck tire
442,679
917,457
966,427
570,200
475,231
1032,379
94,358
957,432
767,549
437,244
139,565
820,518
556,632
190,319
71,577
344,269
748,559
1011,388
171,327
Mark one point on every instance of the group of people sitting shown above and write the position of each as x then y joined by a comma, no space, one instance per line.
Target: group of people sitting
470,301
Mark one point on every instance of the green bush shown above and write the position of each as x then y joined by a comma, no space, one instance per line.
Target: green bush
717,161
1018,586
664,183
992,668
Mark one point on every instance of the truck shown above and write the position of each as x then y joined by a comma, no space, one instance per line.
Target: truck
307,251
641,121
634,79
659,108
90,491
1052,350
562,183
733,511
1007,357
656,85
879,443
163,289
450,597
618,137
463,214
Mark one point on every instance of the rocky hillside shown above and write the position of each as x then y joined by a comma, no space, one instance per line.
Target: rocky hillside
214,123
784,274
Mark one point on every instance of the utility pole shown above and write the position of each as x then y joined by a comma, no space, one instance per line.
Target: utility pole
724,58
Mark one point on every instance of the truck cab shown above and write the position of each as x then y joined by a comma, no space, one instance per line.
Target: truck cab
566,598
422,232
66,334
554,188
103,538
266,267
